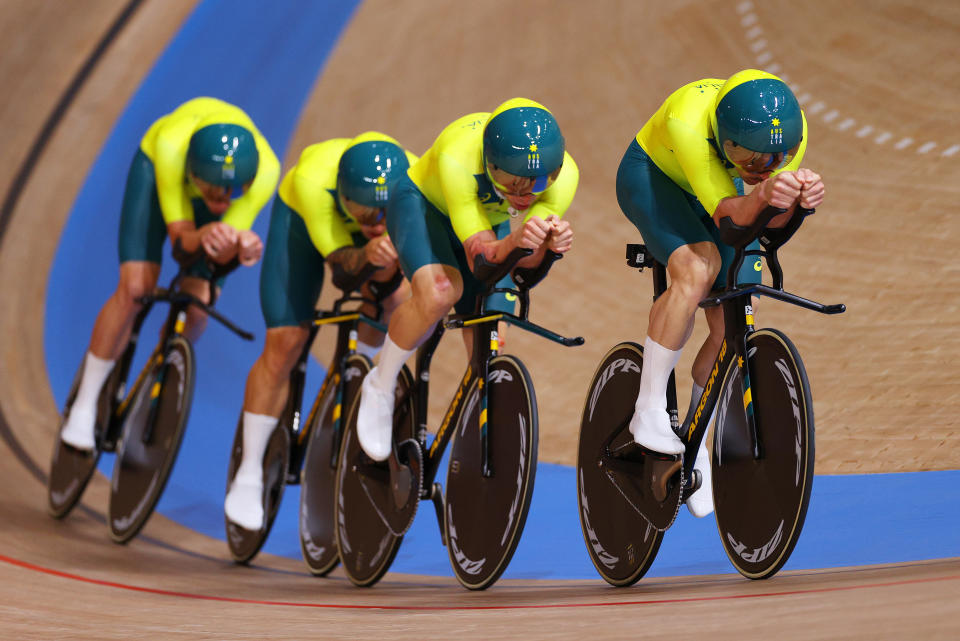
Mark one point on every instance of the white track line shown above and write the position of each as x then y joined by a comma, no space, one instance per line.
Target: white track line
764,59
903,143
846,124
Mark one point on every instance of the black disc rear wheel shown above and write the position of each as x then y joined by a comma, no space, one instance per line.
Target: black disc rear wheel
244,544
318,537
70,468
485,515
367,546
761,503
620,542
150,441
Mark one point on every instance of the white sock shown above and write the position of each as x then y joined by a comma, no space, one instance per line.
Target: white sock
370,351
95,373
658,362
257,429
392,358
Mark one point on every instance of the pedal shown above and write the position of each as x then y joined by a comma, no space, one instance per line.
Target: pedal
651,483
693,483
393,487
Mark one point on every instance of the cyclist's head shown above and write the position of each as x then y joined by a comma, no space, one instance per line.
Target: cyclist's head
522,148
367,170
223,157
757,122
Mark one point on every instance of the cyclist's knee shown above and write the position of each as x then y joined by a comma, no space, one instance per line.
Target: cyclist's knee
438,296
694,268
133,286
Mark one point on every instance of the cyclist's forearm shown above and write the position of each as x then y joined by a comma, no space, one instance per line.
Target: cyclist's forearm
486,243
347,264
742,210
350,259
187,233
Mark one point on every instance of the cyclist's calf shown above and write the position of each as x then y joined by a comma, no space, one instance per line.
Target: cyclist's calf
196,317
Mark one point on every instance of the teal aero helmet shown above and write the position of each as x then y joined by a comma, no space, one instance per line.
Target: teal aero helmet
523,138
367,169
223,154
758,111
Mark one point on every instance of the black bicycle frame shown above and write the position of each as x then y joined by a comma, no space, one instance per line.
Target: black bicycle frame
485,348
738,318
174,324
347,323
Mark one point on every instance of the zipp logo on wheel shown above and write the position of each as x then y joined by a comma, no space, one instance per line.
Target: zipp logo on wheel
500,375
624,364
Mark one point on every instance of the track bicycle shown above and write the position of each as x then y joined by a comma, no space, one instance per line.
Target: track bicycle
144,426
305,452
492,463
763,447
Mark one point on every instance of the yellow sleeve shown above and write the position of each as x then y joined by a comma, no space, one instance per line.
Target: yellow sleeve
460,193
169,163
557,198
316,205
704,170
244,210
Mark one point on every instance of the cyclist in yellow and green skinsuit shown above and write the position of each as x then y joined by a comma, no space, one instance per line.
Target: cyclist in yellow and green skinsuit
329,209
682,173
201,175
455,203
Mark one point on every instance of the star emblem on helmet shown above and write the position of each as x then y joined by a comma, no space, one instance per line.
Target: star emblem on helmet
381,179
533,147
775,122
228,160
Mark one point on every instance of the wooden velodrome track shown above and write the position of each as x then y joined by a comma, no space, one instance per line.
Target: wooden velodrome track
882,98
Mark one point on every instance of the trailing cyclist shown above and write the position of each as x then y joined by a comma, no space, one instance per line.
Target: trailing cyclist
201,175
454,204
330,209
684,171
